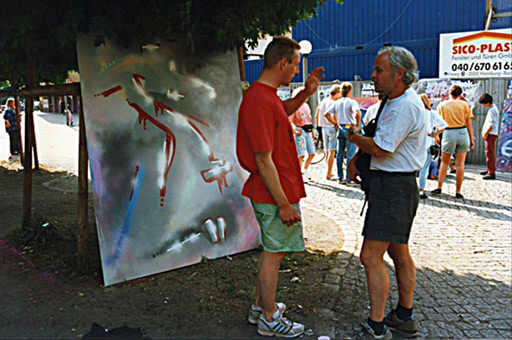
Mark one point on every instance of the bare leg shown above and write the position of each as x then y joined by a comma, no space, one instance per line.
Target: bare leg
267,282
445,159
405,272
301,160
308,160
376,276
330,162
460,159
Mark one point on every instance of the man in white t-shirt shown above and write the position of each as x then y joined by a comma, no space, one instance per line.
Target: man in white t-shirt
329,127
398,151
348,115
490,134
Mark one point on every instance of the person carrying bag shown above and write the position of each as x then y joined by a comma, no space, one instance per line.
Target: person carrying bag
364,159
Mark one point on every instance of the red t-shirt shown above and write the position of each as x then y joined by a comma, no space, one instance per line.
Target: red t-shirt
263,125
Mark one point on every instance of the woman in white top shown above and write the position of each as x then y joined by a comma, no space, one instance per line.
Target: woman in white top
435,125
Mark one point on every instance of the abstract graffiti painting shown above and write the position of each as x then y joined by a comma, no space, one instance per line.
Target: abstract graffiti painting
161,125
504,149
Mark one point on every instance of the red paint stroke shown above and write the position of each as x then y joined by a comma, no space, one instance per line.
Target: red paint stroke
160,107
169,140
109,91
221,178
134,181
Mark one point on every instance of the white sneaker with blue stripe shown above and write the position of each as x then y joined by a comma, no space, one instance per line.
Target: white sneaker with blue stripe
255,312
279,327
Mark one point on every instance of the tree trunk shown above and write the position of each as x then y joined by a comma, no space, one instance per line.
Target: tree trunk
240,53
29,137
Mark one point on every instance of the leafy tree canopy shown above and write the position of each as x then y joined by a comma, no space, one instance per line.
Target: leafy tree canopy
47,30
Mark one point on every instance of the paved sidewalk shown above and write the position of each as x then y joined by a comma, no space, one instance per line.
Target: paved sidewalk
462,248
57,143
462,251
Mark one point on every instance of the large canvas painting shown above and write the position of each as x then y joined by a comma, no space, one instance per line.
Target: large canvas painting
161,124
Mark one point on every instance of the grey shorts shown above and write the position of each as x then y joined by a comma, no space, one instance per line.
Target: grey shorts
392,205
277,237
455,140
329,136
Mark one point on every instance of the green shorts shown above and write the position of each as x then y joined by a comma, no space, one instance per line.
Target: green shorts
277,237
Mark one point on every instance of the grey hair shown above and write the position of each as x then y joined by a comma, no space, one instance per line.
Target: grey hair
400,57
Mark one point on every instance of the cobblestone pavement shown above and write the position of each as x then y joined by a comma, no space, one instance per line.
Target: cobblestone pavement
462,250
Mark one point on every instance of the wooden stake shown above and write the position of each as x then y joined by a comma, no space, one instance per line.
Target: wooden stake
83,187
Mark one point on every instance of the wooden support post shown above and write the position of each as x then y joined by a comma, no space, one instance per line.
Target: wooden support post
18,121
83,187
27,167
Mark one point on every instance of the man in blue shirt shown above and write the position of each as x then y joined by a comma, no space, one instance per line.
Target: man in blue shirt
11,126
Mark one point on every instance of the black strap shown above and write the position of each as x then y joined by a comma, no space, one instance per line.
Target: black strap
381,107
374,129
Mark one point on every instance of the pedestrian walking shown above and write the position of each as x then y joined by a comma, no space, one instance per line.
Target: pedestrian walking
329,125
490,134
348,115
266,148
435,125
69,116
457,138
11,126
303,131
62,106
397,151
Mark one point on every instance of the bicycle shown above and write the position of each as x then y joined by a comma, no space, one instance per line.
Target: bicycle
319,147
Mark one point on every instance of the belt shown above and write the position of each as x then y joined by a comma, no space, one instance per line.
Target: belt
455,128
393,174
346,126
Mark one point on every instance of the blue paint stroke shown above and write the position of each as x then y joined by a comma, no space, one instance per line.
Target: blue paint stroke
128,216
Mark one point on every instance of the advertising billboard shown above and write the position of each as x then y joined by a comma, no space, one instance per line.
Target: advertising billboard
481,54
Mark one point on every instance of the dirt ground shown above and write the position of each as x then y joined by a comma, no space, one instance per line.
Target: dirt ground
43,296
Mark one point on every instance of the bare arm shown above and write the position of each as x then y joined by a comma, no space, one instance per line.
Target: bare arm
270,177
486,134
312,83
358,117
332,119
470,131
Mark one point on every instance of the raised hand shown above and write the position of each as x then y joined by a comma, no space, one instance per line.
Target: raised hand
314,79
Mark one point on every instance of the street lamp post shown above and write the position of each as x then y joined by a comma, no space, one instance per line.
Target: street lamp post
305,49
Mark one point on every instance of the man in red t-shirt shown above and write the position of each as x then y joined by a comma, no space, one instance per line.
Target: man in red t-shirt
266,148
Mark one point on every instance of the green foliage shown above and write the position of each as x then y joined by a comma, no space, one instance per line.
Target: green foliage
47,30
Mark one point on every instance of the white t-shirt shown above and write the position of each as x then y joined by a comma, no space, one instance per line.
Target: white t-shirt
322,110
492,119
345,109
401,131
371,113
434,120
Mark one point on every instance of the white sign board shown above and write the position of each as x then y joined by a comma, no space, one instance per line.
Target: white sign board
480,54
